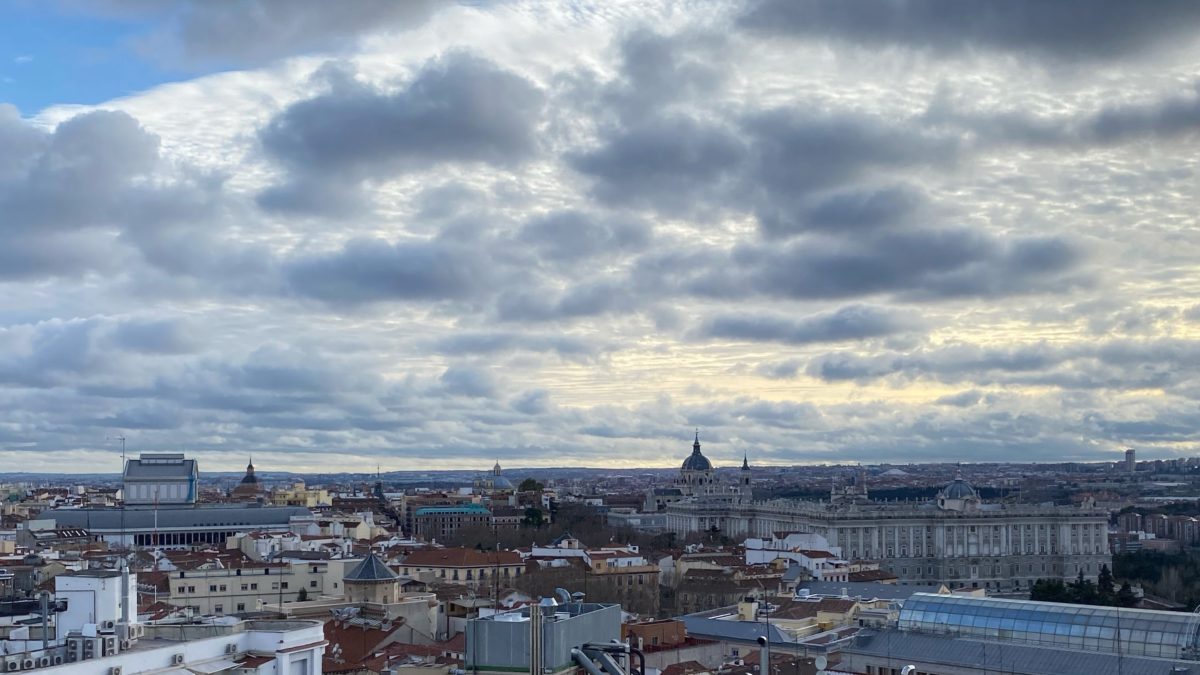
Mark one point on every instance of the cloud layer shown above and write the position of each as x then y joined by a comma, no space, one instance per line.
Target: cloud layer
432,235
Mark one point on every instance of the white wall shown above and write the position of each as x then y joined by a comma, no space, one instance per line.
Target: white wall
307,643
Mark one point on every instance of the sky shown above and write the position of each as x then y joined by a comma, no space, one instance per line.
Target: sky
428,235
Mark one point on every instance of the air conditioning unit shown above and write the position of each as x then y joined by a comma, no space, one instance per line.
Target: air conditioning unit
110,645
136,630
27,664
176,659
231,648
72,657
115,670
58,659
108,624
12,665
43,661
126,645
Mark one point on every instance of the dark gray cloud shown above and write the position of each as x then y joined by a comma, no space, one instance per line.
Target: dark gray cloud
664,164
853,209
796,154
458,108
156,336
1165,116
573,235
1067,29
372,270
71,196
915,264
855,322
657,70
532,402
469,381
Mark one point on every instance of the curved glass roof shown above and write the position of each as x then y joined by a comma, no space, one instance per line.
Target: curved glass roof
1142,632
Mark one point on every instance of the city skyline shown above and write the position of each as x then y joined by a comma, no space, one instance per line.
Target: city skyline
441,235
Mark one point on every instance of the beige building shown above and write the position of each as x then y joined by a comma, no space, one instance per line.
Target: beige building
300,495
462,566
224,590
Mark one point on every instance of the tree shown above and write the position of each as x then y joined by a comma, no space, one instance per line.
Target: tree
533,517
530,485
1050,590
1125,597
1105,585
302,596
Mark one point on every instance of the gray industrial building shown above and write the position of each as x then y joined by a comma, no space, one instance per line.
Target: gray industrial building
176,527
162,479
501,643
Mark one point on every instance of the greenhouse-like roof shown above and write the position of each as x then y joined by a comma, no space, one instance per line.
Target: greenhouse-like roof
1143,632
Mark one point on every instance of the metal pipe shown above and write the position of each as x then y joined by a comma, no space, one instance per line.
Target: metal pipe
641,660
584,661
609,664
45,598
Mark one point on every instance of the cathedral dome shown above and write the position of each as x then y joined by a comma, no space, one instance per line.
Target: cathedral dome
959,489
697,461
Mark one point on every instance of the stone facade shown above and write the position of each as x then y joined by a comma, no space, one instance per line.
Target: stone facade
955,540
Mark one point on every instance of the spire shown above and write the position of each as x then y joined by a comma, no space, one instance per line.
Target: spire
745,461
696,445
250,466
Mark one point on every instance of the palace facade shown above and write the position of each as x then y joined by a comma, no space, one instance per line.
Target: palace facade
956,539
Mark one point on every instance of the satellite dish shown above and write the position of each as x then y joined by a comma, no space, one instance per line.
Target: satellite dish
820,662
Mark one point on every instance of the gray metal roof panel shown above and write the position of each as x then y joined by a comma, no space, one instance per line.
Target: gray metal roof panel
1007,657
200,516
136,469
370,569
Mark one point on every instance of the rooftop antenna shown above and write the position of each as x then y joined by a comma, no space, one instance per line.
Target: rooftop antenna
124,497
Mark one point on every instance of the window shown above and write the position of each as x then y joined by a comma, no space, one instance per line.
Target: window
282,585
212,588
254,587
219,609
241,607
222,588
312,584
245,587
191,589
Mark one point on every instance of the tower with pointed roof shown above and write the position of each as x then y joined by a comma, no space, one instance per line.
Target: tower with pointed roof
249,488
371,581
744,478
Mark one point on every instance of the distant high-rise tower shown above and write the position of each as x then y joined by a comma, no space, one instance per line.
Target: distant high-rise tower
1130,461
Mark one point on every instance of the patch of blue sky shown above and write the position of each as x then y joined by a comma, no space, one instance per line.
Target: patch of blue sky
49,57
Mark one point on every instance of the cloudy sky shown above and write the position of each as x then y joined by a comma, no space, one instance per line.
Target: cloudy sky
433,235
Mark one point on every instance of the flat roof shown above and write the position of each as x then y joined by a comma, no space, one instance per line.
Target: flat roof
116,519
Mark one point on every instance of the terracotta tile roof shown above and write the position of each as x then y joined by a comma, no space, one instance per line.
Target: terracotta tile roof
686,668
250,661
460,557
871,575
